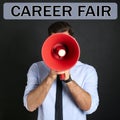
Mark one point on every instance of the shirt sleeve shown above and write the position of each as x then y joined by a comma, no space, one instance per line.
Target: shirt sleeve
91,86
32,82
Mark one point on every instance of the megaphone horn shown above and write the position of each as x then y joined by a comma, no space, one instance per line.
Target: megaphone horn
60,51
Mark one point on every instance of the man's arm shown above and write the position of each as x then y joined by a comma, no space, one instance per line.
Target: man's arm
36,97
81,97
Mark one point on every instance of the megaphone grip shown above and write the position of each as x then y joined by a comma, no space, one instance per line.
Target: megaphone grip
62,76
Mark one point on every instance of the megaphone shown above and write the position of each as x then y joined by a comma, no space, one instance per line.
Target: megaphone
60,52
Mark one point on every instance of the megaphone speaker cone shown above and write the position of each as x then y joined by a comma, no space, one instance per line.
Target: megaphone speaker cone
60,51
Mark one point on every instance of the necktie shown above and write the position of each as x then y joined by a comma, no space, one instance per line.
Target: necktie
58,104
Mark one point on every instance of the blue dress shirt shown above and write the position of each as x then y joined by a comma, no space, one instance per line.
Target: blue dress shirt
84,75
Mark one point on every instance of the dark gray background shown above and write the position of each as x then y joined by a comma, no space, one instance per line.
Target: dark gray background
20,45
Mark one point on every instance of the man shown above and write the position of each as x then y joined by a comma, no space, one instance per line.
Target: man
79,93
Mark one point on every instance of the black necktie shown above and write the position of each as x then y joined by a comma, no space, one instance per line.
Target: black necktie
58,104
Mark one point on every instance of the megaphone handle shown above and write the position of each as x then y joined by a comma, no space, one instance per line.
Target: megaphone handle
62,76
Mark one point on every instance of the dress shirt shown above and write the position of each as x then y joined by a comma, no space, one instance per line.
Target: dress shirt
83,74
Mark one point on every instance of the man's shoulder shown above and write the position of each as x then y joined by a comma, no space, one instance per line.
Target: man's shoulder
40,64
38,67
84,65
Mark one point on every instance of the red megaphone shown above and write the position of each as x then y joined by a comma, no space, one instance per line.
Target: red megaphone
60,52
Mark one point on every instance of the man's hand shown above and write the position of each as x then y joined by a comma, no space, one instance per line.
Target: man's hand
53,74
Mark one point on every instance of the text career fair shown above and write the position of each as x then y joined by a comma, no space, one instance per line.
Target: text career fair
60,10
